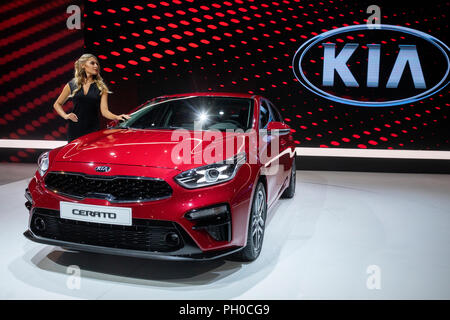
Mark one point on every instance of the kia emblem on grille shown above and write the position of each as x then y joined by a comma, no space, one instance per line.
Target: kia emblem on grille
102,169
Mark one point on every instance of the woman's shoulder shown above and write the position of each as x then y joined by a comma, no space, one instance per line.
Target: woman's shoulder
72,85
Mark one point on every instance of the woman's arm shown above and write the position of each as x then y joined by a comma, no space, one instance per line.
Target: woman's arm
59,103
108,114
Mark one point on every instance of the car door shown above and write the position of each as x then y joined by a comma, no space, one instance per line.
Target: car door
285,149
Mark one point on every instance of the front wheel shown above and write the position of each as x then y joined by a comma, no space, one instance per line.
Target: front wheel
256,226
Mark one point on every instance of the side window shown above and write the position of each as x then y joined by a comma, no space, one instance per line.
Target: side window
264,115
276,114
149,118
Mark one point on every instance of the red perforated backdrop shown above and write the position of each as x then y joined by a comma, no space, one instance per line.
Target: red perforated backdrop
36,61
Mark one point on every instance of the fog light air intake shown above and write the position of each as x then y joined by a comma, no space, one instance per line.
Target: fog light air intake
215,220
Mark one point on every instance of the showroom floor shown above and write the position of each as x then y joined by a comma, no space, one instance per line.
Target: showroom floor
345,235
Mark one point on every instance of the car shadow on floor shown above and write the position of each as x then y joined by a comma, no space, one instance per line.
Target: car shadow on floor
51,269
137,270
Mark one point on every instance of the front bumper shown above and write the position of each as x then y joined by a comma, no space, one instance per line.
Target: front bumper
187,253
145,238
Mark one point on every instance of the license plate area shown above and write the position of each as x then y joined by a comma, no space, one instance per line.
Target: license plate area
94,213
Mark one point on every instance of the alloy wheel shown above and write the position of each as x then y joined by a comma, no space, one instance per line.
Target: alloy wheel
258,221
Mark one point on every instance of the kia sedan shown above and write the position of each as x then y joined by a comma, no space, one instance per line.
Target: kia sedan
188,176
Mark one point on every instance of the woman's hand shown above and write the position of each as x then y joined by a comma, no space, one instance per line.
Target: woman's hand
122,117
71,116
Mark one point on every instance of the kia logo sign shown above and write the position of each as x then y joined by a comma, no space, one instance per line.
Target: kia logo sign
102,169
373,67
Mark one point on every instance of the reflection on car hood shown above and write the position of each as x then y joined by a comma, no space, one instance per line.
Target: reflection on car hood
147,148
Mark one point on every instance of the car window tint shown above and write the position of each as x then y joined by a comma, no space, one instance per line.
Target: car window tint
264,115
207,113
275,113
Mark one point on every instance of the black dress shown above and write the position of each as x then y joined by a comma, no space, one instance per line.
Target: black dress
86,107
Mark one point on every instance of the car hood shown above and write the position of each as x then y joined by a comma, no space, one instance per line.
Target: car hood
154,148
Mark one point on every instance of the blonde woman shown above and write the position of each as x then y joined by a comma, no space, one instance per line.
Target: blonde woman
89,94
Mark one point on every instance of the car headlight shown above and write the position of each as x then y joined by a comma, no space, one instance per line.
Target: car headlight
212,173
43,163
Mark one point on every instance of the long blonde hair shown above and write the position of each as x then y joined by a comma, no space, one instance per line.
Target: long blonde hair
80,75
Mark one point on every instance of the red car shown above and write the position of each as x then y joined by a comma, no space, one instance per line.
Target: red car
188,176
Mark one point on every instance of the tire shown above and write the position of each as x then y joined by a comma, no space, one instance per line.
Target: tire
256,226
290,191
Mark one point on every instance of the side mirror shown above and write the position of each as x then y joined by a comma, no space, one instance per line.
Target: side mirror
112,124
279,128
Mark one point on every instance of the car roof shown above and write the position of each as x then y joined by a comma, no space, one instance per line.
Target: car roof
216,94
201,94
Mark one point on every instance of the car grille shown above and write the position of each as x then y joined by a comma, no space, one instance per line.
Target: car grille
113,188
143,235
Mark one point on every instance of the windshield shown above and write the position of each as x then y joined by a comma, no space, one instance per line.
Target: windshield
206,113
